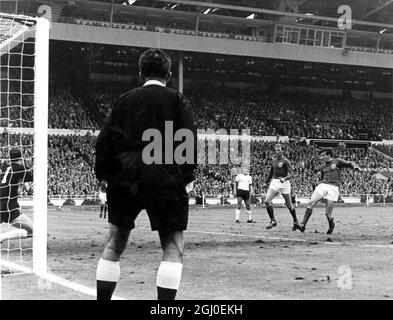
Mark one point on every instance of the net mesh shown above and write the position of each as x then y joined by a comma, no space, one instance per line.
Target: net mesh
17,127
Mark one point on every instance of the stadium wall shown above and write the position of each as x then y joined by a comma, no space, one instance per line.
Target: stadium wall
147,39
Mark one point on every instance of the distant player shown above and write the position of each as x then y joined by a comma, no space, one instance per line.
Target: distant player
11,183
280,174
243,185
104,203
328,189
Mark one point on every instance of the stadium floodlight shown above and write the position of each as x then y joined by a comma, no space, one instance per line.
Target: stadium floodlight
24,71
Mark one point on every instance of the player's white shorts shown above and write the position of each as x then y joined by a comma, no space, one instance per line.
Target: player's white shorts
280,187
327,191
102,196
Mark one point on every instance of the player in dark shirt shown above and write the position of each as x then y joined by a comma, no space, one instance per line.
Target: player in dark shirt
279,175
136,180
328,189
11,179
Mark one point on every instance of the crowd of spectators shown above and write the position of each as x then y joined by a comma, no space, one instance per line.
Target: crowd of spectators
71,158
71,167
307,115
67,112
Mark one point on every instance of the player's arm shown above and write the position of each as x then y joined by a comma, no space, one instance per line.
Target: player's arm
348,164
250,186
269,176
236,184
105,147
28,175
290,172
185,120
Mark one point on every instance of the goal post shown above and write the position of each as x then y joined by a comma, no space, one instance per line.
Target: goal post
41,92
24,73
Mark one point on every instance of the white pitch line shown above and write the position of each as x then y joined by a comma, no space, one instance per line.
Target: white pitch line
245,235
291,239
56,279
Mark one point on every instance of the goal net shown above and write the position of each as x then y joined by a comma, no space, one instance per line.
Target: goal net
24,46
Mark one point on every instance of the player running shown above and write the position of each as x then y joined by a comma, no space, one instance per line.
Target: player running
328,188
280,173
11,181
243,188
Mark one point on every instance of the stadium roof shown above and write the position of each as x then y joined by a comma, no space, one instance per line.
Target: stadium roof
368,15
376,11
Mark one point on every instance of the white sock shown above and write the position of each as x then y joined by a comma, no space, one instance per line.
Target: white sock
169,275
249,214
237,214
108,270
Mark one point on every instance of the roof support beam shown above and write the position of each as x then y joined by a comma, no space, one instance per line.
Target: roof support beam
377,9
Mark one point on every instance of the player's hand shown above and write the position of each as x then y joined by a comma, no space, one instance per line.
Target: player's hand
190,187
282,180
29,163
103,185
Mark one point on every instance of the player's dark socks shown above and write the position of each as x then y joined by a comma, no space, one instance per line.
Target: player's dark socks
105,289
307,216
293,214
166,294
331,225
270,212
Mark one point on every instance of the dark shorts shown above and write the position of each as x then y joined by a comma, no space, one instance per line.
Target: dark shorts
8,217
165,201
244,194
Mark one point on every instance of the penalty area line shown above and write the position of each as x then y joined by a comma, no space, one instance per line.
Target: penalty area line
56,279
247,236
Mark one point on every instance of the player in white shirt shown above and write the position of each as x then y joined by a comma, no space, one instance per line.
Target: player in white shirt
104,204
243,185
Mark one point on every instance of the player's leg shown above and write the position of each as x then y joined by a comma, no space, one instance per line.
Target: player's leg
171,266
292,210
8,232
108,269
315,198
237,211
248,208
271,193
329,216
23,222
105,209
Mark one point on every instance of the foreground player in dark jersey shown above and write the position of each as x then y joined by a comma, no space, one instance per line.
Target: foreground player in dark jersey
133,183
280,174
11,179
328,189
